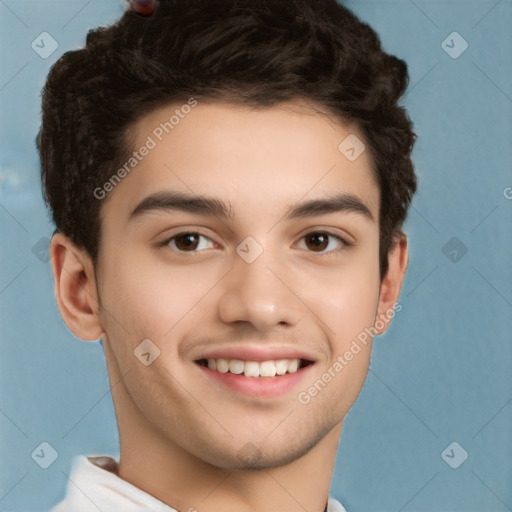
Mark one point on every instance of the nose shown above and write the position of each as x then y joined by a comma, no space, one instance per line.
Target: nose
260,293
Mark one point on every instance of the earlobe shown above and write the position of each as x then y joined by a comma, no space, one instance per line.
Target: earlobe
75,288
391,284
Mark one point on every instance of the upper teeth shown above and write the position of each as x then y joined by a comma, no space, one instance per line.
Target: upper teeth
255,368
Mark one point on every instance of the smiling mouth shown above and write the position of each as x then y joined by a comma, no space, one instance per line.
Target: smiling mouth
271,368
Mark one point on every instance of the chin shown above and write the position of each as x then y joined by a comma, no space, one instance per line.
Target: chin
256,457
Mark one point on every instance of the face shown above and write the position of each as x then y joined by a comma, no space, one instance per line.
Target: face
244,239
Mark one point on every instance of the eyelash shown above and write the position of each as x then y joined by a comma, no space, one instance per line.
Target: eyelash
343,241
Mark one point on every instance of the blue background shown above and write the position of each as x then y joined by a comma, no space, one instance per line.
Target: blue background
441,374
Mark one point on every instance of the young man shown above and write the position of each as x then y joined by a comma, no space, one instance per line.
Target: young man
229,180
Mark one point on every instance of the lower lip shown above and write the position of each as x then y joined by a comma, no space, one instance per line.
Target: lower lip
259,387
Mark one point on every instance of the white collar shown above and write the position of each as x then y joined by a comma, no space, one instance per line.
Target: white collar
94,486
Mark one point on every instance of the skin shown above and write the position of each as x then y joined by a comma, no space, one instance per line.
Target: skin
182,437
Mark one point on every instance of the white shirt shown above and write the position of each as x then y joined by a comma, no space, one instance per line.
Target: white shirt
92,487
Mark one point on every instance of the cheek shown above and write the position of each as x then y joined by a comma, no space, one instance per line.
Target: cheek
353,309
149,300
349,298
348,311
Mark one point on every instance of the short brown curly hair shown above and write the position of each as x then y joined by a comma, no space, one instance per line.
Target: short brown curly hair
254,52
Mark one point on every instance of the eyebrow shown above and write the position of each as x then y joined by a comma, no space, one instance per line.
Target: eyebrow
211,206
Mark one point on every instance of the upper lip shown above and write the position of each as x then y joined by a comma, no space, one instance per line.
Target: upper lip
259,353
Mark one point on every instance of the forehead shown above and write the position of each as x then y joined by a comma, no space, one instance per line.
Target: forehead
253,157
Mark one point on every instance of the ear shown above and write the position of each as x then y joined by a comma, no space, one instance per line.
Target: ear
75,288
392,283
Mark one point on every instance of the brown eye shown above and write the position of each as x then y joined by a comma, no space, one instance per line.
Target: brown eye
187,241
324,242
318,241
